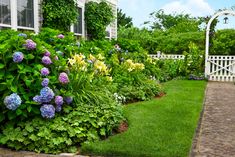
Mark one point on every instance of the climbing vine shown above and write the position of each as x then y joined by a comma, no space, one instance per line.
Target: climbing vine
97,16
59,14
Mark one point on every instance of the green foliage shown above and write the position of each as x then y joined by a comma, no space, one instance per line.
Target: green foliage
78,124
97,16
59,14
123,20
177,22
223,43
166,42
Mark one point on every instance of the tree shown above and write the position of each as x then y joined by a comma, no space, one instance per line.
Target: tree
174,22
123,20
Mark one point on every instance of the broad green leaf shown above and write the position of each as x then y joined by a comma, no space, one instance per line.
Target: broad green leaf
2,66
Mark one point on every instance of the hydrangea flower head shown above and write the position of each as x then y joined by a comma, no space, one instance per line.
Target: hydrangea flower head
46,94
45,82
47,111
47,53
61,36
58,108
22,35
59,100
45,71
46,60
30,44
13,101
63,78
18,57
68,99
37,99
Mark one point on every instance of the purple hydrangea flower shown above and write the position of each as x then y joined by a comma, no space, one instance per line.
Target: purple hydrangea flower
47,111
46,60
45,82
30,44
46,94
61,36
47,53
18,57
13,101
58,108
68,99
22,35
59,100
63,78
37,99
45,71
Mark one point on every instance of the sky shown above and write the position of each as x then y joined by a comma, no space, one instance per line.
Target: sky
139,10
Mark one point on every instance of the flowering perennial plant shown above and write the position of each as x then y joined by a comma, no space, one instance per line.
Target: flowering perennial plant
78,62
47,111
18,57
45,71
45,82
68,99
30,44
46,60
101,68
61,36
47,53
63,78
13,101
59,100
46,94
131,66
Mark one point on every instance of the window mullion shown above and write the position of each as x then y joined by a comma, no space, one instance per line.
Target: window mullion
14,14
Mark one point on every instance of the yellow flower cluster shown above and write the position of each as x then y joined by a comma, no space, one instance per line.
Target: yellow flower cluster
133,66
100,67
150,60
78,61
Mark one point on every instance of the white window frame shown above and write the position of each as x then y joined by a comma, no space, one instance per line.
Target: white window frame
82,6
14,25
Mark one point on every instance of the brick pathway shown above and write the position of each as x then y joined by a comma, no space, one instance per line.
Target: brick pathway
216,133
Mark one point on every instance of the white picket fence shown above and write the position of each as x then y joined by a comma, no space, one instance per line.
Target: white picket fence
220,68
166,56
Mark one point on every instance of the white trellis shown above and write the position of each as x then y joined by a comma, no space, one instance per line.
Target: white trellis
218,67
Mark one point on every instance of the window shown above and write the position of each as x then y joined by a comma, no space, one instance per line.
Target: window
78,25
25,13
5,12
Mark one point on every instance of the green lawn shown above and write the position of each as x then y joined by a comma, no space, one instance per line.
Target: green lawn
157,128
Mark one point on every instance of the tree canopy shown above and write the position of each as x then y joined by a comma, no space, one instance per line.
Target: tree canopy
123,20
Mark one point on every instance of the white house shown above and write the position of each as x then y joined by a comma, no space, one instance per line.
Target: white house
25,15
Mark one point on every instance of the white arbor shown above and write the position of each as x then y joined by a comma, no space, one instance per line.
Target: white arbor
218,68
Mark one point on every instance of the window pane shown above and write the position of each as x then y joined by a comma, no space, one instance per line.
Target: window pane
25,13
78,24
5,12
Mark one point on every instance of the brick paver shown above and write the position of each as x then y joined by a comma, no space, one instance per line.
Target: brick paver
216,133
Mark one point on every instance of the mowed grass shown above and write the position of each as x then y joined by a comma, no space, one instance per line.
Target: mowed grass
158,128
